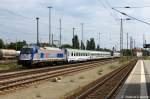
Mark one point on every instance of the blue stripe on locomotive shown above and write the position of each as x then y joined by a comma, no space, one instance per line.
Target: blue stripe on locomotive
42,55
60,55
55,55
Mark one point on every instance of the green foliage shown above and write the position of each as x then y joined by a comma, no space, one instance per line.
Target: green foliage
112,67
66,46
81,77
146,53
98,48
10,66
47,44
75,42
90,44
102,49
100,71
146,57
1,44
82,45
128,52
16,45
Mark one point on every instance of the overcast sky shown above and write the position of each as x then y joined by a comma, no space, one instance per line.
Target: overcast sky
17,20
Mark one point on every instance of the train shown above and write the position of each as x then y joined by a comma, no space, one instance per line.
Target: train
31,55
8,54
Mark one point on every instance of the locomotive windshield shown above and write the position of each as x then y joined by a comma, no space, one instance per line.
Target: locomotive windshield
26,51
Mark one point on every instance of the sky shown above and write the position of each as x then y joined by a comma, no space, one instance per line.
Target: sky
18,20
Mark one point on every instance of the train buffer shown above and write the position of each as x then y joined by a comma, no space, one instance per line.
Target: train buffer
137,85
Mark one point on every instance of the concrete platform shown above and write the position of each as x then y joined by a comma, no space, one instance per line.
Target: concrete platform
137,85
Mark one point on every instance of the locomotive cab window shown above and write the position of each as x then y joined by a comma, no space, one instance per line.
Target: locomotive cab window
26,51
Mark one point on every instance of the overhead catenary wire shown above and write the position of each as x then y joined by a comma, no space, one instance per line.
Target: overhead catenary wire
133,7
20,15
16,14
131,16
108,10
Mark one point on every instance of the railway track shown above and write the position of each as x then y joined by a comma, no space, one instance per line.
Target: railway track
11,74
105,87
15,80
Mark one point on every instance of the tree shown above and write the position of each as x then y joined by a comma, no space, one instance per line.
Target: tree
16,45
82,45
1,44
88,45
75,42
92,44
66,46
97,48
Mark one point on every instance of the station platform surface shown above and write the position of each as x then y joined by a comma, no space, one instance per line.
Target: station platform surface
137,85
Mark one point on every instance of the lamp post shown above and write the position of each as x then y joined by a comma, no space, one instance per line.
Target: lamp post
37,31
99,38
121,35
50,24
73,31
82,35
60,37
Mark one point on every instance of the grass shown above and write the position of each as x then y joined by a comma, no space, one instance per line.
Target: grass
112,67
11,66
146,57
72,80
38,95
99,72
81,77
126,59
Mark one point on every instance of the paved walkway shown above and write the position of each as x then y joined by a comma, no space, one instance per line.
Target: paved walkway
137,86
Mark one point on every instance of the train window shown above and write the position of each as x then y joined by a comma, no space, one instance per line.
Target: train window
26,51
72,54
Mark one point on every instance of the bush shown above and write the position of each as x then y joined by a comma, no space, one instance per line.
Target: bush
82,77
100,71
